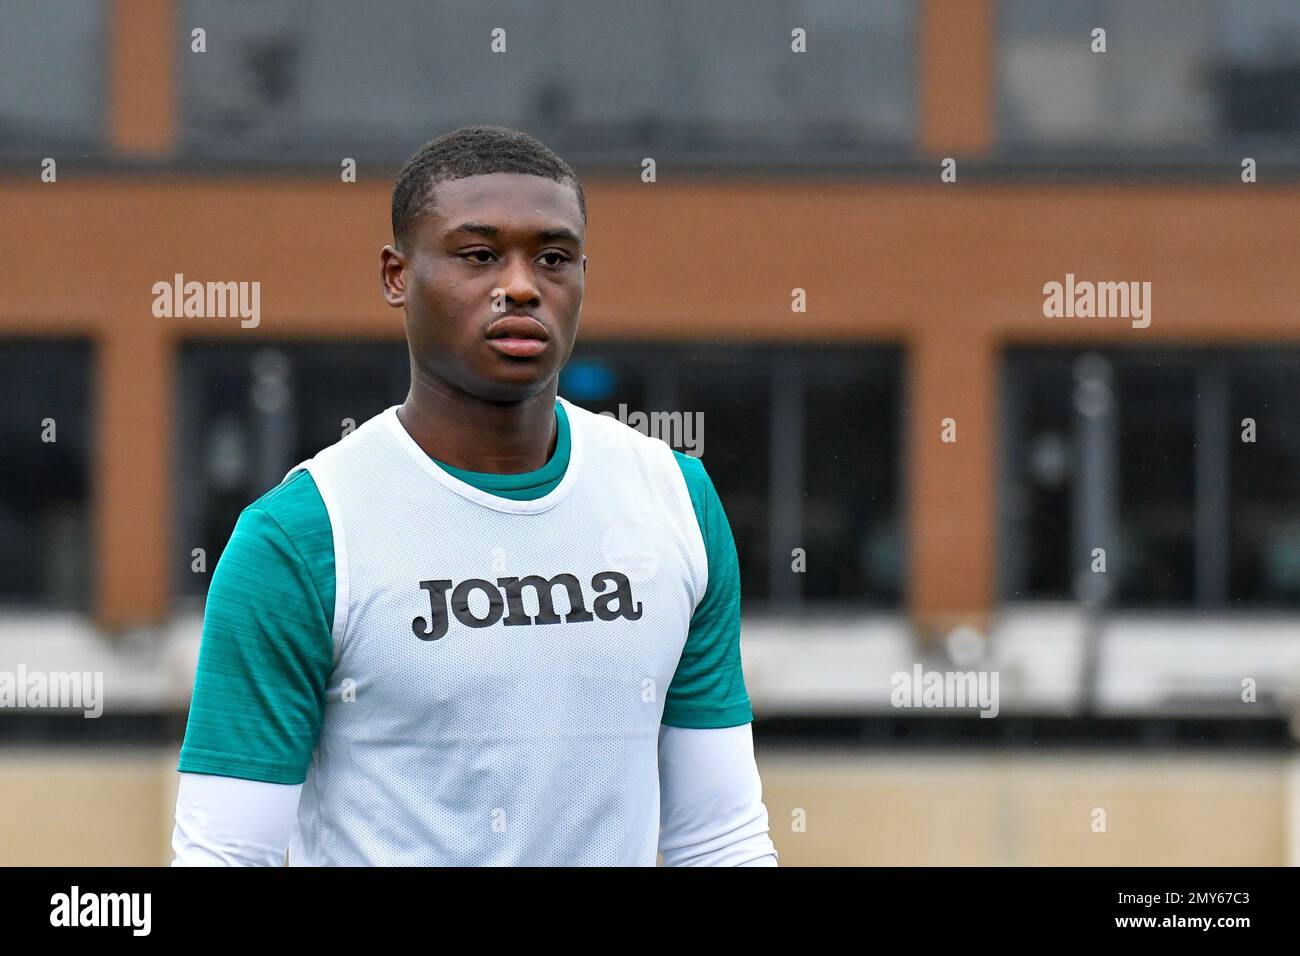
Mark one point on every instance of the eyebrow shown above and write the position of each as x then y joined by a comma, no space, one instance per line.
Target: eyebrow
544,235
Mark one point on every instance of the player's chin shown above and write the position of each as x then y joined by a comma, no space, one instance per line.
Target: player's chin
512,380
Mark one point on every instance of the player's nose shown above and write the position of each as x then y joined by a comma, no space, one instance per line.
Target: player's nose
518,283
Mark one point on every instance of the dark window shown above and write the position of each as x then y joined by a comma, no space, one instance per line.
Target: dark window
803,446
46,432
1199,509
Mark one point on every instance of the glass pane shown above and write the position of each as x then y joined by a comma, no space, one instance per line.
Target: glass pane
46,429
1038,478
731,390
1264,484
52,67
681,80
1194,73
1157,476
851,519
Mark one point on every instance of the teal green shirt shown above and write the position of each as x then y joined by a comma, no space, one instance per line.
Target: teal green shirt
267,649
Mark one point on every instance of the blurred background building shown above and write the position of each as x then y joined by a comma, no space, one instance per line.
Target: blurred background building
1164,692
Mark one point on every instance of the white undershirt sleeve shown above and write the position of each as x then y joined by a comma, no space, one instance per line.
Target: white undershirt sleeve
226,821
711,810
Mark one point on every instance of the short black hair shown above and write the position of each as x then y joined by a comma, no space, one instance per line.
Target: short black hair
473,151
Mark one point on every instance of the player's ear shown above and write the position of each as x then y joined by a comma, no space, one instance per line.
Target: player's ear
392,276
584,265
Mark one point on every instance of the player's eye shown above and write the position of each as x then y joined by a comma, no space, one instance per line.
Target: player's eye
560,258
474,254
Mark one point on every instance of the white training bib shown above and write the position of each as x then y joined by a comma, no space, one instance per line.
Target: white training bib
500,666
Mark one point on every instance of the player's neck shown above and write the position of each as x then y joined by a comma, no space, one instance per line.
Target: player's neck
468,433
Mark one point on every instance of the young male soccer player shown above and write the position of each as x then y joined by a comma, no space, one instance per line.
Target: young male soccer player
487,627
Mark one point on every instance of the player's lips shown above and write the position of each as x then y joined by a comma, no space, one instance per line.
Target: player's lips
519,336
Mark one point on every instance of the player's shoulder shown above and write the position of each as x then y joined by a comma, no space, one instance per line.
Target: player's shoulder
607,431
356,440
294,489
355,447
692,469
295,506
604,430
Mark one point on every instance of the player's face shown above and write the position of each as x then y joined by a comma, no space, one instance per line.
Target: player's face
492,281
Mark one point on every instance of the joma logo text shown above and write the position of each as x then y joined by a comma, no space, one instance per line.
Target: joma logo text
506,597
